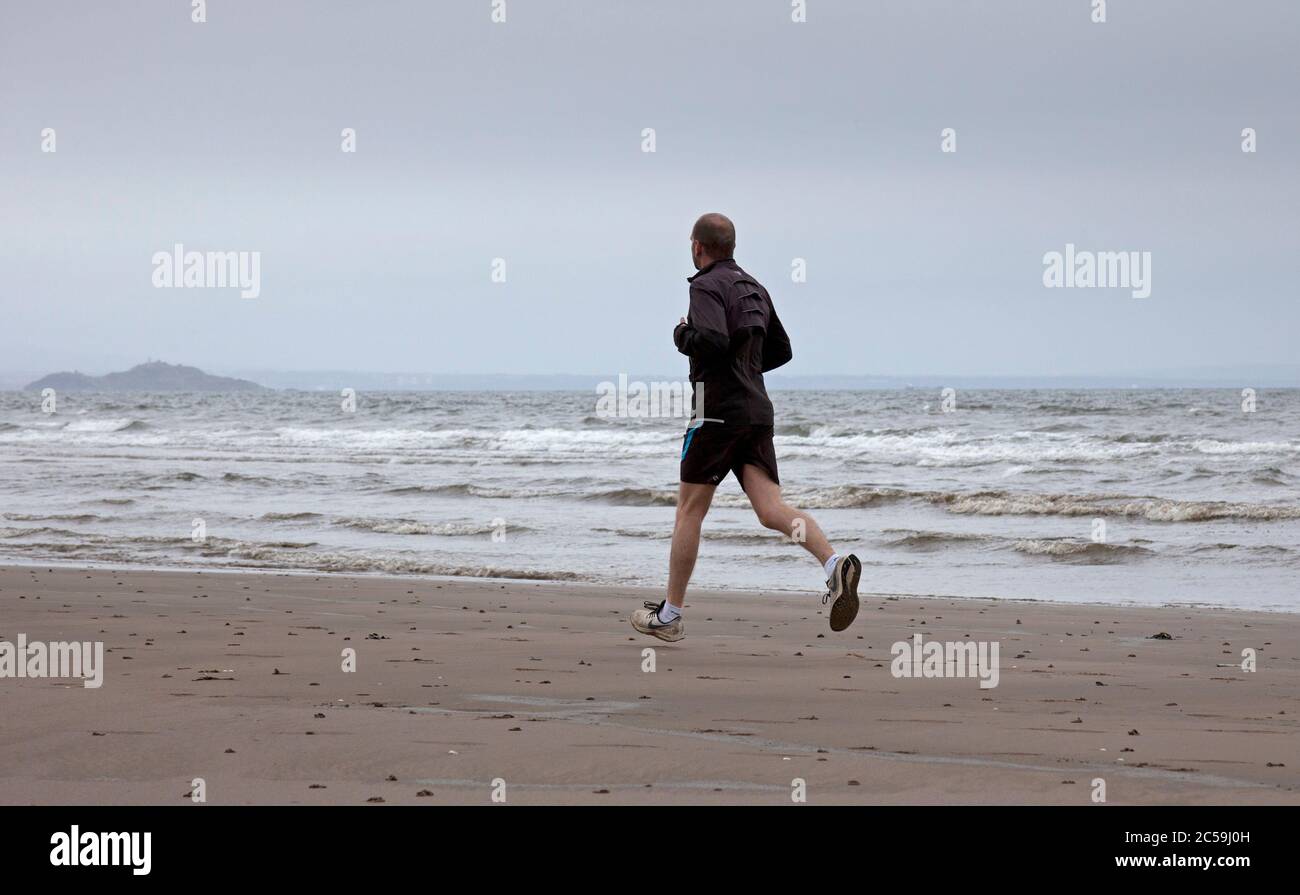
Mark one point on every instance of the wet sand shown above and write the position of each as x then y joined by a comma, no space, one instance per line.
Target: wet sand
236,679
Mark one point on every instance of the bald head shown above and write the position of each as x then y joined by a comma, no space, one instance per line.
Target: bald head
716,236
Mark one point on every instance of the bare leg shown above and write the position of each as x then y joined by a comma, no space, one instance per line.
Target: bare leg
692,506
774,513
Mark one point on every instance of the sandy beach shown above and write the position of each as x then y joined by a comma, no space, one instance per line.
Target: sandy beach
236,678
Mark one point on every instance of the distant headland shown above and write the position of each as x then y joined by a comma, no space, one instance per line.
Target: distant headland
154,376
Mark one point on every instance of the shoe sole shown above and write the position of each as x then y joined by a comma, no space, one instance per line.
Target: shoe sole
659,632
845,608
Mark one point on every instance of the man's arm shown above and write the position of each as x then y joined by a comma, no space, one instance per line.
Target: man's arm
776,344
703,335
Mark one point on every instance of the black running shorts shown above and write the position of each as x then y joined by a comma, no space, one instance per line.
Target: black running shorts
710,450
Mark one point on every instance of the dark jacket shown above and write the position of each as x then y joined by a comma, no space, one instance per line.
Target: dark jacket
732,336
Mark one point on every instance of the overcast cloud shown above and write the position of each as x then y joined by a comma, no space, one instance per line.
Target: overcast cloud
523,141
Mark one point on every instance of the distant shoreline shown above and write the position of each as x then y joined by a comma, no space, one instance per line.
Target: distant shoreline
370,383
161,376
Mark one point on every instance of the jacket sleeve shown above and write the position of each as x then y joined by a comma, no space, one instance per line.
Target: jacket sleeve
704,334
776,344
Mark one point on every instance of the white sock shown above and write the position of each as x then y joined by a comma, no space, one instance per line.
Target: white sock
668,612
830,565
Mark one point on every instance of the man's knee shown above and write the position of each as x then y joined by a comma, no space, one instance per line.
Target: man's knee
773,516
694,505
692,511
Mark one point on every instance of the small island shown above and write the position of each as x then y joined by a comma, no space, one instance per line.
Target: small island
154,376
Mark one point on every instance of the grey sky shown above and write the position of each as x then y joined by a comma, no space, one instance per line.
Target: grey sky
523,141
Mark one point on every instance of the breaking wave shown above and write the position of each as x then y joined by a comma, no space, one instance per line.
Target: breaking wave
109,425
415,527
1001,503
264,556
930,541
636,497
743,539
1080,551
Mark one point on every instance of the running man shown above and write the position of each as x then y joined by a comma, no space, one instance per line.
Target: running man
733,336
